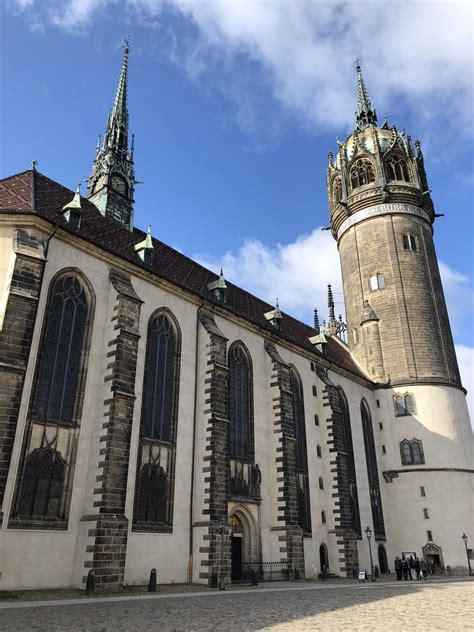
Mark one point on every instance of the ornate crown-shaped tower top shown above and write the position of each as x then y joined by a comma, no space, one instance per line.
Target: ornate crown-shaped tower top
112,179
374,165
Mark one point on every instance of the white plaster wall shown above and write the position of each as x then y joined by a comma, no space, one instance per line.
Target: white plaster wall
24,555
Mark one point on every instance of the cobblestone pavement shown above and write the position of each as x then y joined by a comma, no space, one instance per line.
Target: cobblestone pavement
419,607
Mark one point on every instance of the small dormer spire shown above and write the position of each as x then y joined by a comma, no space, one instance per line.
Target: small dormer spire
72,211
316,325
145,248
219,288
365,114
275,316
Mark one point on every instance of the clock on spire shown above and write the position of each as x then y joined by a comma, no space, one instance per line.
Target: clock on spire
112,180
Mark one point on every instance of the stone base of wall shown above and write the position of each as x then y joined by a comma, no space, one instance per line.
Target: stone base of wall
106,556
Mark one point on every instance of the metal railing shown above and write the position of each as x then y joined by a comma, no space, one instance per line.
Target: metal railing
267,571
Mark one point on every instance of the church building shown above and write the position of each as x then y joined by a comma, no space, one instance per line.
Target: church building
155,415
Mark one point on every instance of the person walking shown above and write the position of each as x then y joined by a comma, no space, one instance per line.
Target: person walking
417,568
404,568
423,569
411,566
398,568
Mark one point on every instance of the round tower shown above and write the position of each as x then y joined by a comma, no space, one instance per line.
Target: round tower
382,218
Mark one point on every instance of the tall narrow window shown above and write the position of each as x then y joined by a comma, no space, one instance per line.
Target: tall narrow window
372,471
346,472
44,484
298,430
59,359
240,403
154,487
159,387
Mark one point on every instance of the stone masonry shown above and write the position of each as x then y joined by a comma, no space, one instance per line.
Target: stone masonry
25,282
108,530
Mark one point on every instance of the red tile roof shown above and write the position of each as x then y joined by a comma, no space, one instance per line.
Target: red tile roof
32,192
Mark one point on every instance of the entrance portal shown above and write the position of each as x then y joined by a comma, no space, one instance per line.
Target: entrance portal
434,558
383,564
236,573
323,559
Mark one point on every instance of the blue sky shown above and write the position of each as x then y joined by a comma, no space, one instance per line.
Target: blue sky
235,106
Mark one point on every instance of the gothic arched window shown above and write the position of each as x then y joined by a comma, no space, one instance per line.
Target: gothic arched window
240,403
346,466
59,364
412,452
362,172
372,470
298,418
42,485
154,486
160,380
152,495
396,168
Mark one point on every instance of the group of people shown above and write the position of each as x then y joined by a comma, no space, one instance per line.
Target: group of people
406,566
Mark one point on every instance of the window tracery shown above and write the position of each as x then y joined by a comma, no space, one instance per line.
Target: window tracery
396,168
240,403
42,485
362,173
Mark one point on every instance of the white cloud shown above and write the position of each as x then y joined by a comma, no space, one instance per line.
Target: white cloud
410,50
296,273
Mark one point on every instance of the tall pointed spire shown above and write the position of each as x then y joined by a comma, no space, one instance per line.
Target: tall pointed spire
365,114
112,179
116,134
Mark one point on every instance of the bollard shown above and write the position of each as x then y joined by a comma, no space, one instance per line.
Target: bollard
152,581
90,582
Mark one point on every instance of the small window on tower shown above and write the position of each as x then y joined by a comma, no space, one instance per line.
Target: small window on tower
384,450
377,282
422,491
429,536
409,242
406,242
323,517
404,405
313,366
315,391
321,482
413,242
318,450
426,513
411,452
316,420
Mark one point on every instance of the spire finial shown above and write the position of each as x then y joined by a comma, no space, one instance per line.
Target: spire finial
331,304
33,165
316,324
365,114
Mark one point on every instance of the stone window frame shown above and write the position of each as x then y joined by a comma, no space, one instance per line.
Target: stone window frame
408,456
404,404
250,456
410,242
149,445
395,165
362,173
54,427
377,282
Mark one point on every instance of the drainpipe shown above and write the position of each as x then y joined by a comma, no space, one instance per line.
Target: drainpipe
193,457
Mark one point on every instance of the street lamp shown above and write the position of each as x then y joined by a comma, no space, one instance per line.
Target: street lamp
368,533
222,531
464,537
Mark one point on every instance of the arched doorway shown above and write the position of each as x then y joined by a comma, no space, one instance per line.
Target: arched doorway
244,542
434,558
323,559
383,563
